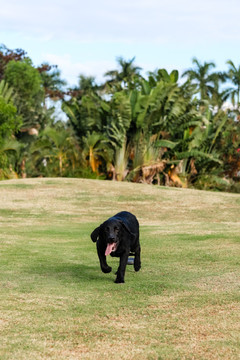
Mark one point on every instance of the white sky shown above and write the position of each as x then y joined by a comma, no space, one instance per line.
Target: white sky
87,36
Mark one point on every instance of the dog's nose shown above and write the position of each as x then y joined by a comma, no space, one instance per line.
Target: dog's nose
111,238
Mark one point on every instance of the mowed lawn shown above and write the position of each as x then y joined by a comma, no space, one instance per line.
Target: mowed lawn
55,303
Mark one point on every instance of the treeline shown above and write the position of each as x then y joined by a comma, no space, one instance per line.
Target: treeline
152,129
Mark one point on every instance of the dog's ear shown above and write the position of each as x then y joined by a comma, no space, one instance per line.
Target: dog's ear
95,234
127,229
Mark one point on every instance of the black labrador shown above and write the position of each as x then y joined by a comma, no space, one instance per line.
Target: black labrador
118,236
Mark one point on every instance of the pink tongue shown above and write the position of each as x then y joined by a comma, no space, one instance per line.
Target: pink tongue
109,249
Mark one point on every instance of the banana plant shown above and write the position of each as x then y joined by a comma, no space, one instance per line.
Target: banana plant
96,151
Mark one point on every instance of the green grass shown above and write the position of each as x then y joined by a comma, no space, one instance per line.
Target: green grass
57,304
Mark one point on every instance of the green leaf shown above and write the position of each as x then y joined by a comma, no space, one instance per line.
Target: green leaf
166,143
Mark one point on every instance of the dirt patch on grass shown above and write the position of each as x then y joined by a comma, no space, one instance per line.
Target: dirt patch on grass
221,283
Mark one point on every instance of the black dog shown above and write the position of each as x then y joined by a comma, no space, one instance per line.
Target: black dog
118,236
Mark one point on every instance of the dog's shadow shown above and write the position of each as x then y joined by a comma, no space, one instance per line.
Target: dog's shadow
72,272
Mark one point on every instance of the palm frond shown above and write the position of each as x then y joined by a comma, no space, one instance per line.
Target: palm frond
198,154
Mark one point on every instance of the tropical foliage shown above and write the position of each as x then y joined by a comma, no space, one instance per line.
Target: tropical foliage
154,129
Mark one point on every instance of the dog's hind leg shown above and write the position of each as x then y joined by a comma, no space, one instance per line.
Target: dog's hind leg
137,259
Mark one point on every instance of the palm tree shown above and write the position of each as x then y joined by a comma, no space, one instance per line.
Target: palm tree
202,77
234,76
126,76
86,86
87,83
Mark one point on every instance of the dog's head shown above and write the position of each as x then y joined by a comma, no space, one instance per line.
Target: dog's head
111,232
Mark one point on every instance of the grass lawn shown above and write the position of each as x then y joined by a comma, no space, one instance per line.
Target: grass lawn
55,303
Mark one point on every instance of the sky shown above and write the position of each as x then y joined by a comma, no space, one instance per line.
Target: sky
86,37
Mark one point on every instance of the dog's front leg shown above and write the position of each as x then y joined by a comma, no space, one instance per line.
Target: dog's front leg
122,268
102,258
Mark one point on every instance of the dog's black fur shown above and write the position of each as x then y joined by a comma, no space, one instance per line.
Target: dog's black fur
122,231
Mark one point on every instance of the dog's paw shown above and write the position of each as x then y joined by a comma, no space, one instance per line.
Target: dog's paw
106,270
137,266
119,281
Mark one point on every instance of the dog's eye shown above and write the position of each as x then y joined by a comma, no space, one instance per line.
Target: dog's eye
107,229
116,229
